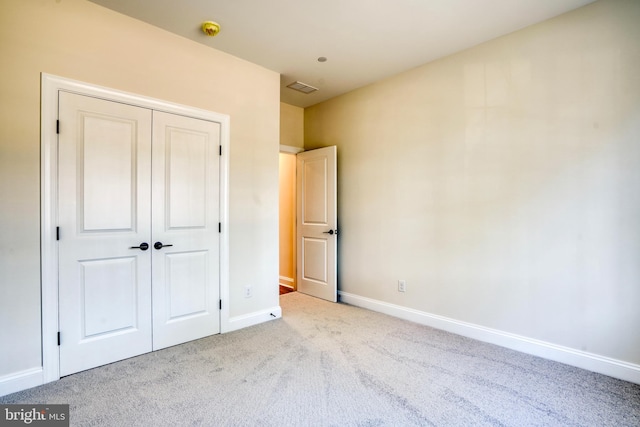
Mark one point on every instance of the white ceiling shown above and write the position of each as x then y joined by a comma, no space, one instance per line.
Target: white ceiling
363,40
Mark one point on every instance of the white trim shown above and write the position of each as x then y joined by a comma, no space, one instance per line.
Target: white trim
581,359
21,381
287,281
49,248
255,318
51,85
290,149
224,220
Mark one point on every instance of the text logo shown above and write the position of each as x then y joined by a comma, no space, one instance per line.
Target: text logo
34,415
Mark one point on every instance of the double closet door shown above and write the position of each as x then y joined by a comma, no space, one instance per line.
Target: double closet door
138,216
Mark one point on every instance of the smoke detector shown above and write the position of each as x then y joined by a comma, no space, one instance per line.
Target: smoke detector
302,87
210,28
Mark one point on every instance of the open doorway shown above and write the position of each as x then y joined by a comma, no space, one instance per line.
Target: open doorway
308,222
288,248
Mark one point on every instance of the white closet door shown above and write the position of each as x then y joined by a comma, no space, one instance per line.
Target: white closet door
104,213
185,229
133,238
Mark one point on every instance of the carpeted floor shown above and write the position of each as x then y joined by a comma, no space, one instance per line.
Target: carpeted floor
327,364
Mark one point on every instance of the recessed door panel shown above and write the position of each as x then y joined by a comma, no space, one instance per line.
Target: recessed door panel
187,284
315,252
109,296
315,209
107,203
186,168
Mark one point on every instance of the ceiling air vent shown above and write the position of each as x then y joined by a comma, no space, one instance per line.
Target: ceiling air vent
302,87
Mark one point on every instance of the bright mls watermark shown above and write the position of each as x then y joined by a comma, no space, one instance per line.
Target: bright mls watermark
34,415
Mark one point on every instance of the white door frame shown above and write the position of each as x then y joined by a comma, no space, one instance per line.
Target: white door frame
51,85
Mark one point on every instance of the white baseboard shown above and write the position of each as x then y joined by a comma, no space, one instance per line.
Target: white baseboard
286,281
581,359
21,380
254,318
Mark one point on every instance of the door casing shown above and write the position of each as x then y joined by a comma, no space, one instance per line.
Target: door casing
50,87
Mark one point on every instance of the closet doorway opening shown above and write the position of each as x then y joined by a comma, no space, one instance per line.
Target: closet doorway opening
107,312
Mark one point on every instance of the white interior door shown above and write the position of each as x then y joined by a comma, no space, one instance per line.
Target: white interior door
185,229
317,223
138,214
104,210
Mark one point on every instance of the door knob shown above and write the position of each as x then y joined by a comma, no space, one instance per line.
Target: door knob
143,246
330,232
159,245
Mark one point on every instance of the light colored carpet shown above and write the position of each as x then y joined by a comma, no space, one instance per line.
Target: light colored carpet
327,364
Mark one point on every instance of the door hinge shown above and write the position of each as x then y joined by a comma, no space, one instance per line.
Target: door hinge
219,227
57,233
220,150
57,126
220,304
58,338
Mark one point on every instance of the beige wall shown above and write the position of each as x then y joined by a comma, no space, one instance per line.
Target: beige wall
291,125
502,183
80,40
288,219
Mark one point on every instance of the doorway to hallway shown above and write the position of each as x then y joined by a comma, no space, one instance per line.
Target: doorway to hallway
287,275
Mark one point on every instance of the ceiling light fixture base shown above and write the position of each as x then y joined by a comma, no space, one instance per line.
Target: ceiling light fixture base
210,28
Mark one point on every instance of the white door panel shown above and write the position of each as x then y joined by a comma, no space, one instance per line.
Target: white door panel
108,283
104,209
186,279
187,156
185,216
102,158
315,253
317,223
315,208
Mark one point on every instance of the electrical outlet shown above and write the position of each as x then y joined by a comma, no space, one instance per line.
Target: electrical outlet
248,291
402,286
